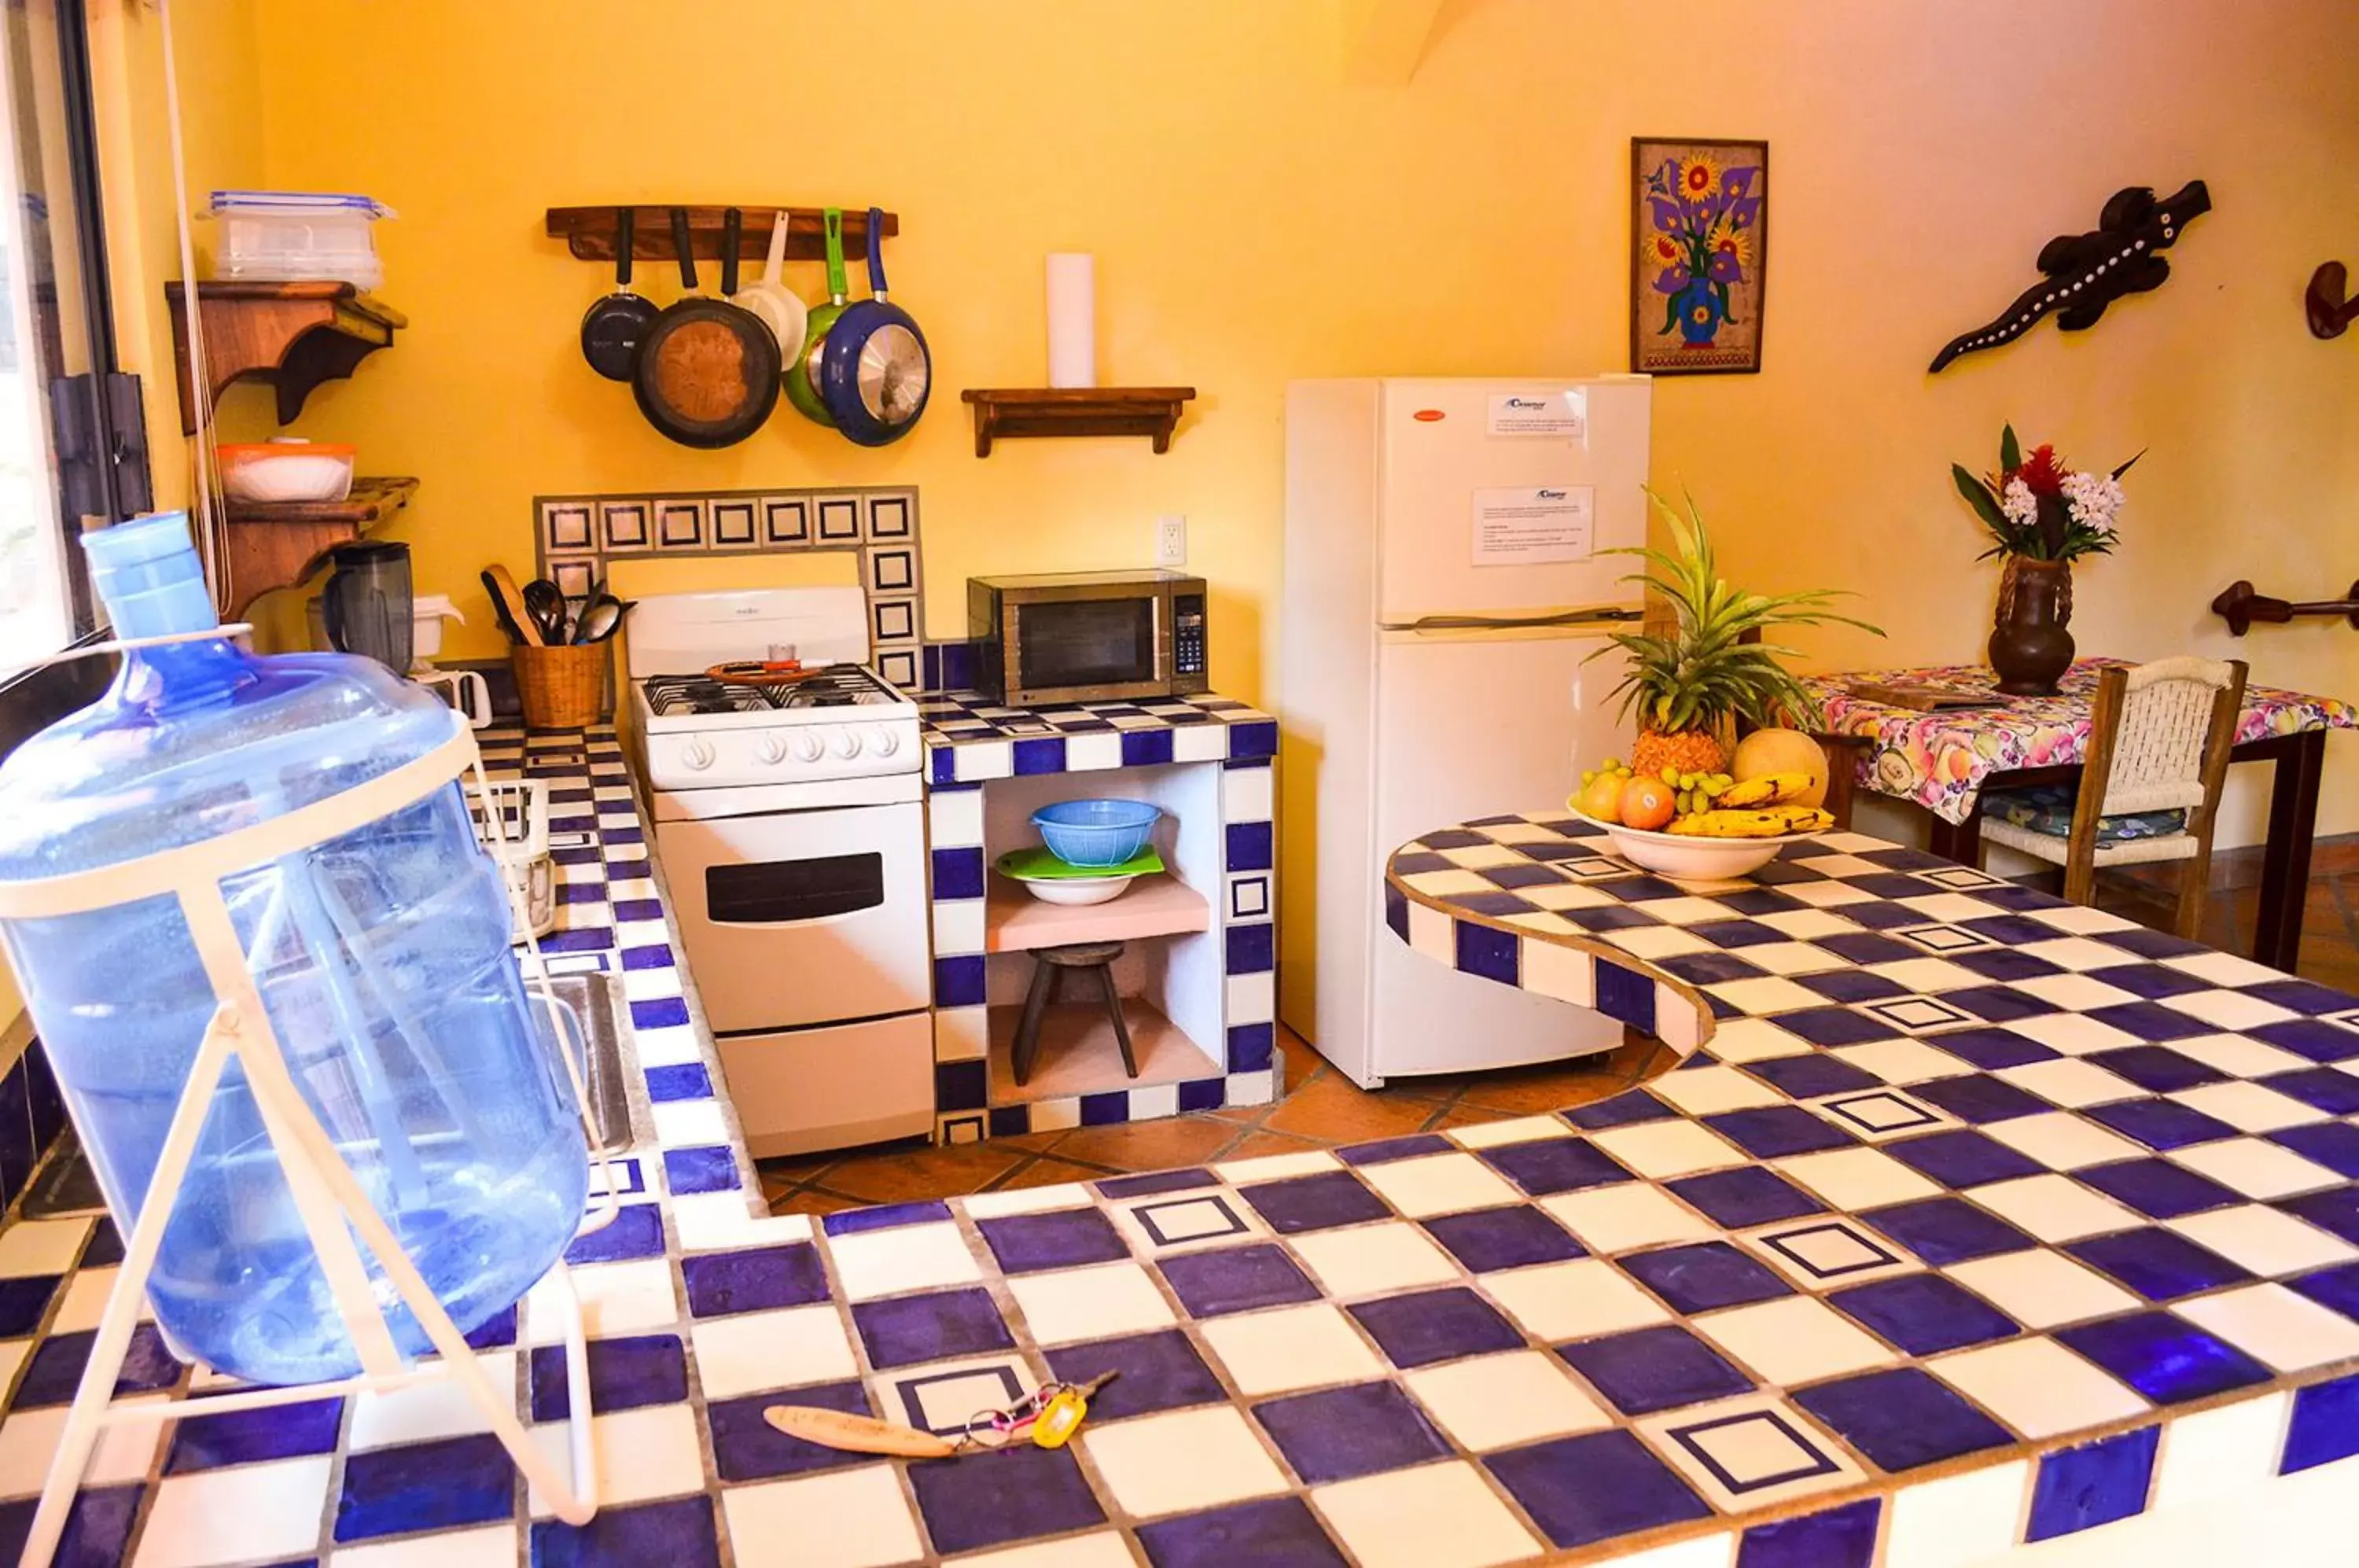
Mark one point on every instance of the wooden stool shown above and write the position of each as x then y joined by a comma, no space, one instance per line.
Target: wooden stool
1049,965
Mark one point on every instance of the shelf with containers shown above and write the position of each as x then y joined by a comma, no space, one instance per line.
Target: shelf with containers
1196,977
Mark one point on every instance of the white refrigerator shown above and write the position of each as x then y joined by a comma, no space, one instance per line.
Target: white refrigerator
1443,585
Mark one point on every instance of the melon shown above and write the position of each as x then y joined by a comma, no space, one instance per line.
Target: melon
1765,752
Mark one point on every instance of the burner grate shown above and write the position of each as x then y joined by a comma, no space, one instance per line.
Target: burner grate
842,686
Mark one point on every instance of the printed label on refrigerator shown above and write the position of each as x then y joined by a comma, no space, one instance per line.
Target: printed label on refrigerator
1534,525
1561,414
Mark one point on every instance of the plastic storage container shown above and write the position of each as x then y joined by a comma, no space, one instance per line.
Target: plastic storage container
382,957
282,235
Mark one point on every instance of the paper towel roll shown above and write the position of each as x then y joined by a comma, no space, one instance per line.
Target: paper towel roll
1072,319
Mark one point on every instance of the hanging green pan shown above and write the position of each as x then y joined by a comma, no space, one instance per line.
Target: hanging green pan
802,376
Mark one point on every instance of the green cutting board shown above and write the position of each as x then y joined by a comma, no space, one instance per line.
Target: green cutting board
1036,865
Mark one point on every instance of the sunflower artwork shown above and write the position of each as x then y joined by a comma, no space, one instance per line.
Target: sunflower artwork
1700,220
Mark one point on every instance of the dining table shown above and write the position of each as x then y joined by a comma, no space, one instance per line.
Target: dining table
1949,761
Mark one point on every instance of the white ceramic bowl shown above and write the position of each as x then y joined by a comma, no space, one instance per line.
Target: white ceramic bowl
287,469
1693,859
1079,889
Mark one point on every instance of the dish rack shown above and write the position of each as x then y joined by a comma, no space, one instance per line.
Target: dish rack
523,853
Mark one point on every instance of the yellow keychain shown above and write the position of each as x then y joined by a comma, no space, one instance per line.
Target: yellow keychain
1063,1412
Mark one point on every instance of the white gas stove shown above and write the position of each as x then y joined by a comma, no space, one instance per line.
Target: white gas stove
788,822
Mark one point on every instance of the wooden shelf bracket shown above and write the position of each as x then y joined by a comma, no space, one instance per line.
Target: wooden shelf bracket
290,335
1009,413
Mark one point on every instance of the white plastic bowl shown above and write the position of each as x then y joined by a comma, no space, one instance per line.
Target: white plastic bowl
1078,889
287,469
1693,859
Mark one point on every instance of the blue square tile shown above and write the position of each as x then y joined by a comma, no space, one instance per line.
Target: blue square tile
958,873
1990,1047
1436,1325
1251,1047
2159,1188
1253,950
885,1216
2151,1022
2157,1069
2325,1425
1493,954
1962,1158
1749,1195
2161,1124
2314,1037
747,1448
1835,1026
1063,1238
712,1168
906,1330
2004,962
1924,1314
1705,1276
2152,981
49,1104
959,981
2159,1264
1315,1203
962,1085
2329,1089
1039,754
22,1303
2336,1210
1277,1530
1145,748
1584,1489
1159,1371
97,1533
1626,1109
243,1437
17,1151
678,1533
1943,1231
1849,986
1998,1003
2164,1358
624,1373
1157,1181
2097,1483
636,1231
1337,1433
1655,1369
1978,1099
2337,1288
677,1081
755,1281
1013,1494
1838,1537
1902,1419
2335,1144
660,1012
1808,1076
1709,968
425,1486
1250,847
1384,1150
1236,1280
1555,1165
1770,1132
1627,994
54,1374
1511,1237
2301,996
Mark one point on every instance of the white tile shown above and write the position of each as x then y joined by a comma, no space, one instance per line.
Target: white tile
2290,1333
1362,1261
1661,1151
1564,974
1245,795
1489,1403
1174,1221
750,1351
1771,1454
2062,1141
954,817
2240,1055
1827,1252
1755,1040
689,1124
41,1246
2228,1010
2265,1240
907,1257
1275,1167
1575,1300
2056,1208
709,1222
1182,1460
1881,1115
1291,1347
2075,953
2070,1082
2075,1034
1627,1215
843,1518
1090,1303
942,1397
1104,1550
1902,1060
28,1444
1708,1091
1957,1520
1092,753
1928,976
2037,1387
2221,1452
959,925
639,1454
616,1298
258,1512
2249,1108
1765,997
2224,968
1855,1179
85,1300
2075,993
1026,1201
2256,1168
494,1546
2041,1289
1438,1184
1437,1516
1696,1551
1516,1129
441,1409
1794,1340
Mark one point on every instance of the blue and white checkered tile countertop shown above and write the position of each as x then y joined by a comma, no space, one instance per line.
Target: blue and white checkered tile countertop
969,738
1967,1207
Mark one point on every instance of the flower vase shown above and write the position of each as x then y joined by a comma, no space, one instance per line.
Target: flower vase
1700,312
2028,645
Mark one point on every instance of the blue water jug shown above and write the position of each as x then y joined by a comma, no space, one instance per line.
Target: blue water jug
381,955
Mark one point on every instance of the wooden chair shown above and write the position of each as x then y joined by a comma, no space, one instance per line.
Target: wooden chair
2159,740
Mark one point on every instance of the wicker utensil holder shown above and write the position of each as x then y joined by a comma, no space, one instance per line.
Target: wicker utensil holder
561,688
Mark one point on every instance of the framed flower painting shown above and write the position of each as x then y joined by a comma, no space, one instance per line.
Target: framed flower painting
1700,255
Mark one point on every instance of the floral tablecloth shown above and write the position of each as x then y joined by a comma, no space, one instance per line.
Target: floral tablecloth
1941,760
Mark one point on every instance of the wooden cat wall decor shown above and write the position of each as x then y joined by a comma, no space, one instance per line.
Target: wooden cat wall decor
2082,274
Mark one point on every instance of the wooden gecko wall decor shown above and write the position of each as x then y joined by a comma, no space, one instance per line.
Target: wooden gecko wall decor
2085,273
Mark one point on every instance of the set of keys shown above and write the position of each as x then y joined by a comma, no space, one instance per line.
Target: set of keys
1050,1416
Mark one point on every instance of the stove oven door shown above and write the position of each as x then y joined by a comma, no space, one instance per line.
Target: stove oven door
799,918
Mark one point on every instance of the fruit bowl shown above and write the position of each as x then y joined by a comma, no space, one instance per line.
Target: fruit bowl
1692,858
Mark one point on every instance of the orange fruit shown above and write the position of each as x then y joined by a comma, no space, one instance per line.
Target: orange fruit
1647,804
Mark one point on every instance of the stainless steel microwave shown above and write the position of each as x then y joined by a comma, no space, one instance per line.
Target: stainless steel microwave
1087,637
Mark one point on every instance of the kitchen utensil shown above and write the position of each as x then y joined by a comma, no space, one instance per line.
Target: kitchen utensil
286,468
763,673
1054,881
599,619
767,297
545,605
877,372
365,603
1095,832
708,370
507,604
1694,859
612,329
803,371
857,1434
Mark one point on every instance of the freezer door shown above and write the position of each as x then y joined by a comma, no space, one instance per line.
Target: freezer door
1474,726
1464,524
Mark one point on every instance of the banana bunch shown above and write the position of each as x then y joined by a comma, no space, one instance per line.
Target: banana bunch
1770,790
1767,822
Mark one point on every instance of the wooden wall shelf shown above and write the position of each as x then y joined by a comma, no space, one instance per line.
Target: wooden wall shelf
1010,413
290,335
589,232
278,545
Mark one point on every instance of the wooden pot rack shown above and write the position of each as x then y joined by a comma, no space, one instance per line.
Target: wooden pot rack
589,232
1007,413
2240,606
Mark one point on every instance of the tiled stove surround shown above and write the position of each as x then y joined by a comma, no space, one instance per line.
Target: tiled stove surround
969,742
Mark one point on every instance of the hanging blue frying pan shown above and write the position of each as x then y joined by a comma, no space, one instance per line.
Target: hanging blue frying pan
876,372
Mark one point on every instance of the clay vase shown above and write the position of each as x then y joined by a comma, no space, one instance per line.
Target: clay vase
2028,646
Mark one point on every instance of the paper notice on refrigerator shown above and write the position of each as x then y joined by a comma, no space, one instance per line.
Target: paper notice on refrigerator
1561,414
1534,525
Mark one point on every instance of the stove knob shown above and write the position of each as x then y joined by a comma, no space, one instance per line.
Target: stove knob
883,741
697,755
845,744
772,749
807,746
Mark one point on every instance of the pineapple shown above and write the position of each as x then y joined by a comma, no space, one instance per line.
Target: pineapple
1691,680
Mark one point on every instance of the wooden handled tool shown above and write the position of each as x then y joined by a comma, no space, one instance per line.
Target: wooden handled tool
857,1434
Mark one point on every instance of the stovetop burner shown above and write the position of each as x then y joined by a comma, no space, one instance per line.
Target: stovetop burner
839,686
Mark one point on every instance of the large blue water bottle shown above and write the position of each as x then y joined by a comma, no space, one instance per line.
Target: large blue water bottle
381,955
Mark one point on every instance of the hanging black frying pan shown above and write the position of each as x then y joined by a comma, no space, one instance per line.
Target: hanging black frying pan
877,372
708,370
612,328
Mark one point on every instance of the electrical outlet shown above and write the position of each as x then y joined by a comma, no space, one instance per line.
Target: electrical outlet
1171,539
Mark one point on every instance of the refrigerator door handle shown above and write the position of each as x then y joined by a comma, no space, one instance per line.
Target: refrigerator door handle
1511,623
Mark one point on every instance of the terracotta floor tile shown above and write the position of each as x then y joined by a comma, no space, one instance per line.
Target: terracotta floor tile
807,1201
1296,1060
1334,1110
938,1172
1528,1090
1256,1143
1470,1115
1045,1171
1161,1145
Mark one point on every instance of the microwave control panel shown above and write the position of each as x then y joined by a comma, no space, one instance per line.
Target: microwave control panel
1188,636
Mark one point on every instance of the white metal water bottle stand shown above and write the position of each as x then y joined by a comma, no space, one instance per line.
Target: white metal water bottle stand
326,1194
